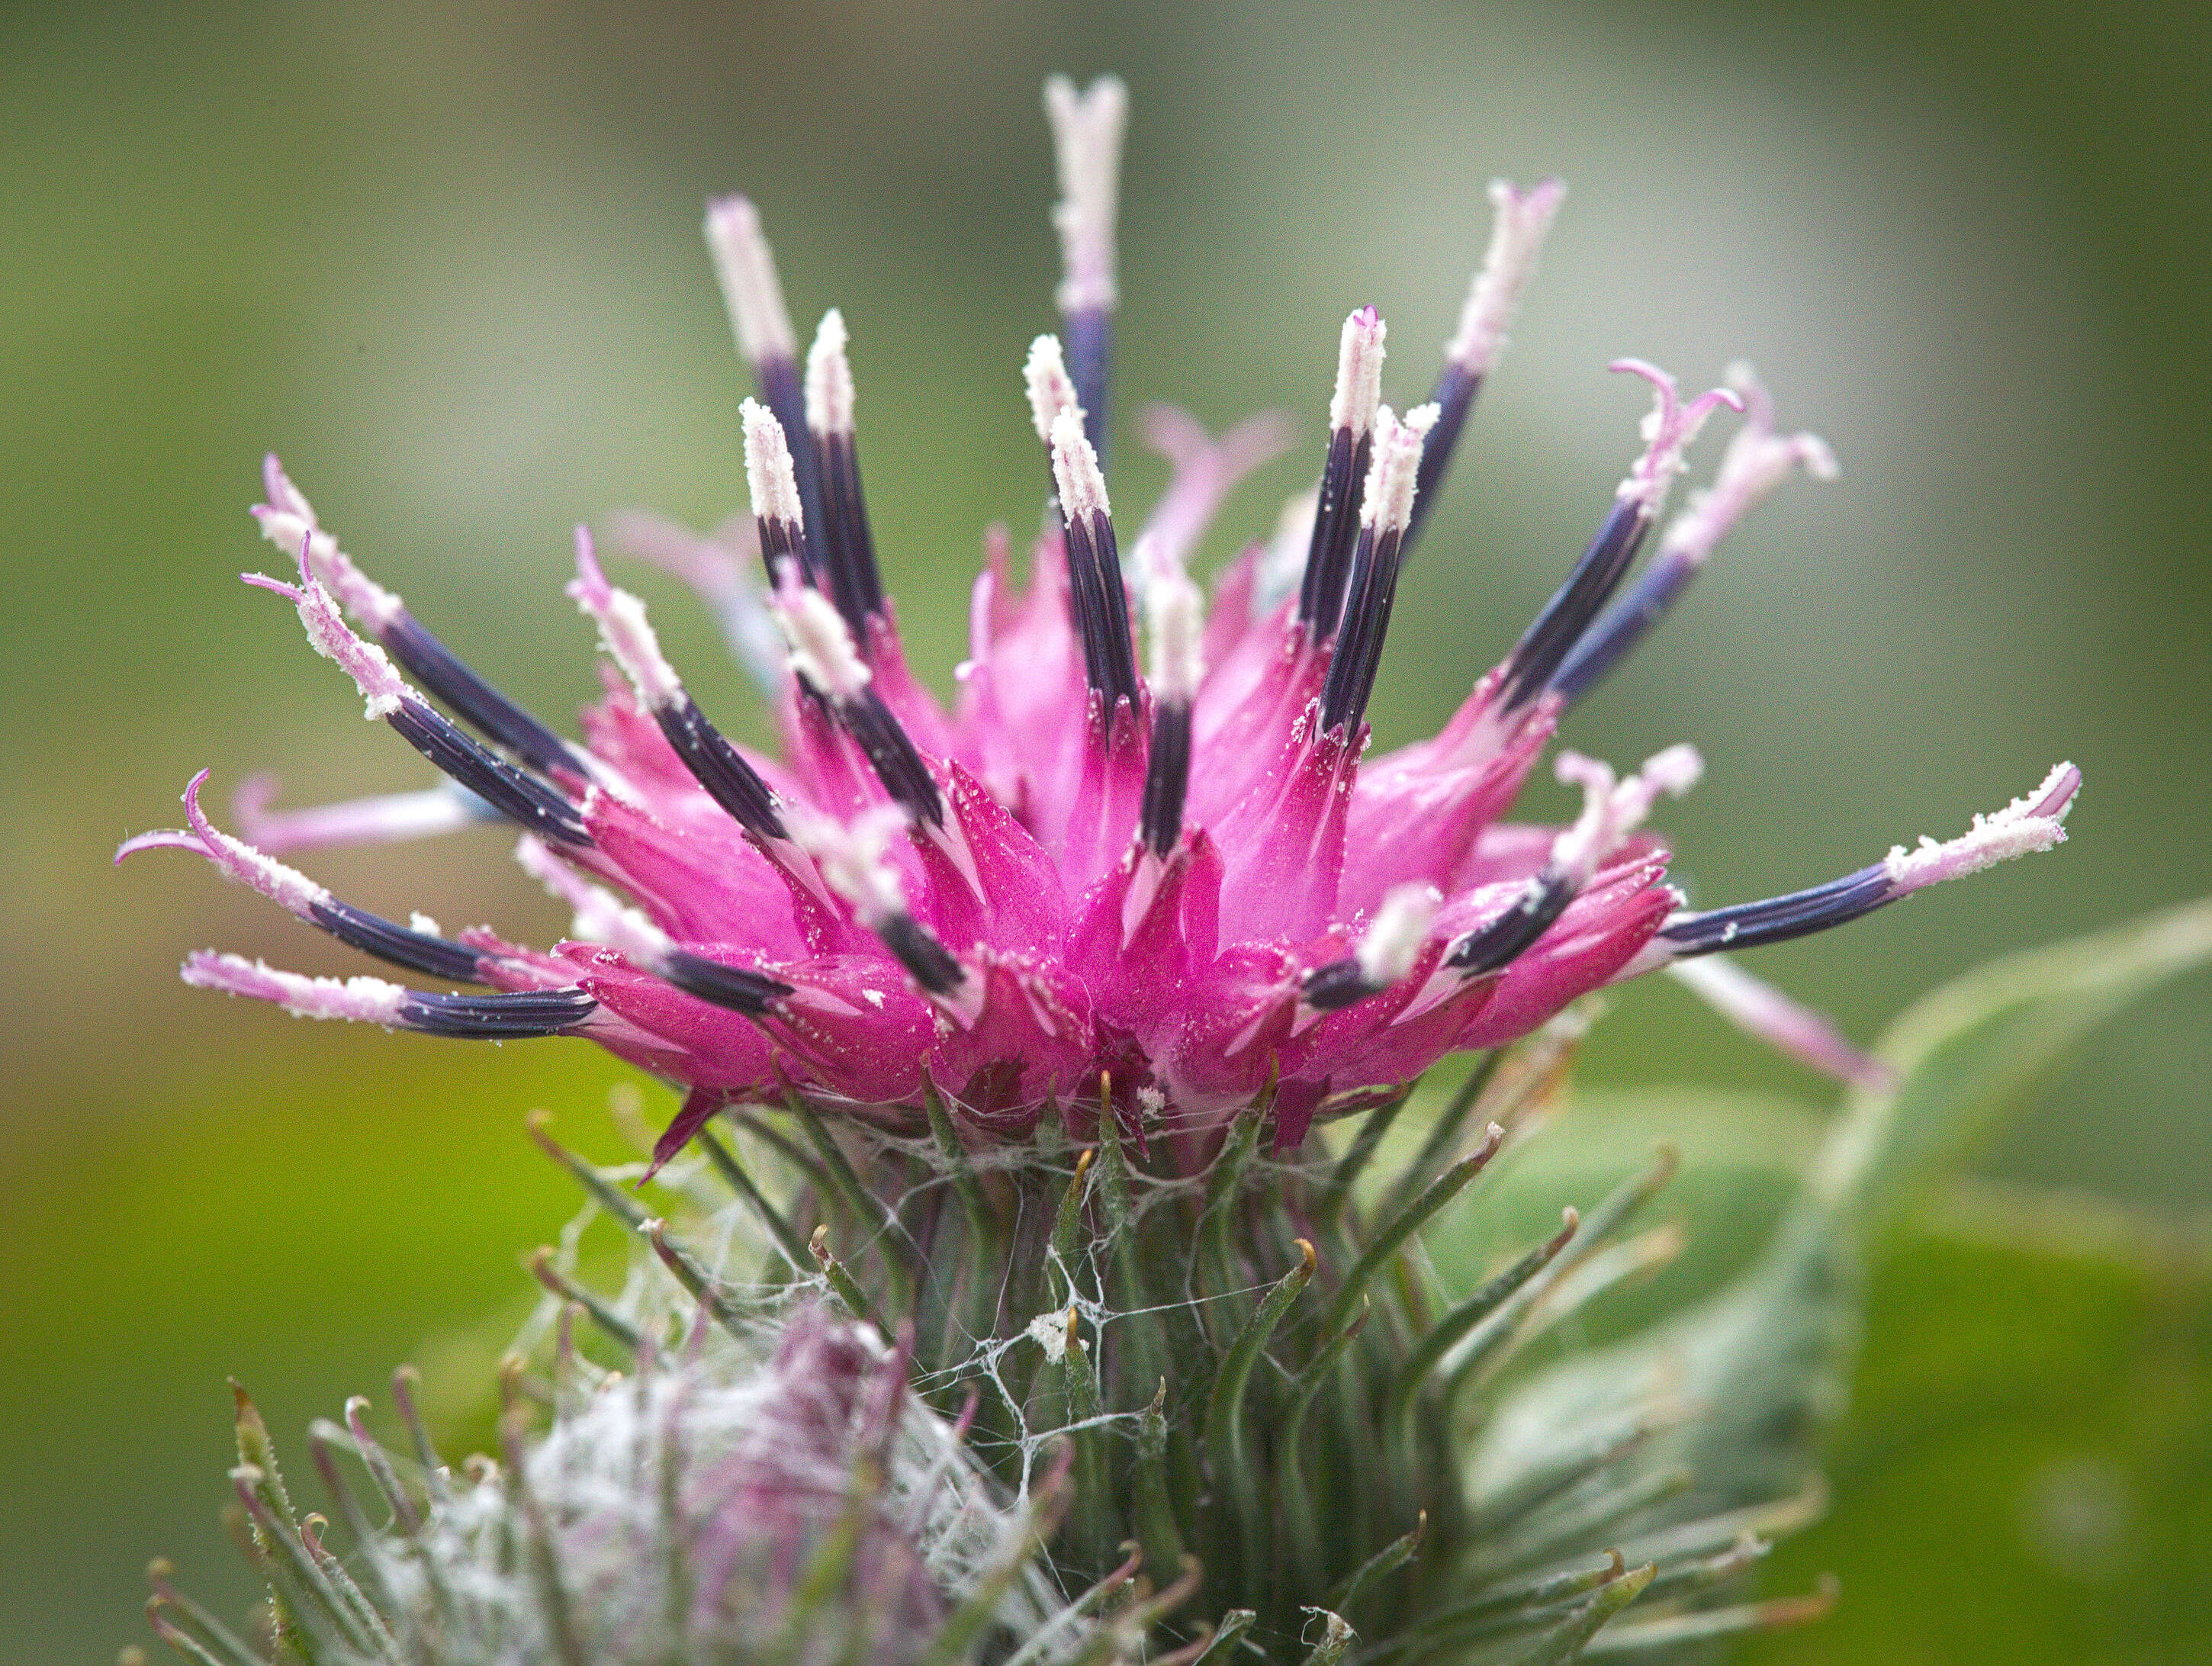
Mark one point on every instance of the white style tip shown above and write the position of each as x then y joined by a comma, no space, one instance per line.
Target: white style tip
1393,939
854,856
770,481
1051,389
1386,502
362,999
1359,356
288,520
746,268
829,378
601,916
1667,431
2027,825
626,633
1521,221
819,640
1086,141
1758,460
1075,469
1283,563
1175,615
1614,809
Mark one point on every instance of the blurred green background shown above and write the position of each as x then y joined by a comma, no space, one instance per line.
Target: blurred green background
446,259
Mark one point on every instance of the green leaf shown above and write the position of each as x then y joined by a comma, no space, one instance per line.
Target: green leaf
1770,1356
2026,1472
1966,1055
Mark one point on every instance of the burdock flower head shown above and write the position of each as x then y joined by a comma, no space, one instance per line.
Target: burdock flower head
1160,883
764,1494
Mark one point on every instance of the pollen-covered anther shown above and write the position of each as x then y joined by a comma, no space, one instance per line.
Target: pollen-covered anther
771,481
821,646
1385,953
1359,390
1075,469
626,633
829,378
419,946
513,792
1175,619
1354,403
854,858
382,689
1521,221
1097,598
2030,824
1051,391
1668,430
746,267
501,1017
1086,135
1758,460
362,999
1393,939
1174,614
2034,822
1387,501
1371,586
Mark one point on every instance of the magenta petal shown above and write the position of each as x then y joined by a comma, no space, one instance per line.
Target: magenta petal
1031,1040
699,1108
703,881
1146,932
987,881
1600,933
1418,814
1284,843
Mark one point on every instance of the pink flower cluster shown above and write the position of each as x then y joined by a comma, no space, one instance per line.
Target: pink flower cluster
1173,885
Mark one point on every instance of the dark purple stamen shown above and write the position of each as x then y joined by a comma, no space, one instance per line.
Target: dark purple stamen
781,391
446,675
916,947
1340,984
1453,397
402,946
896,760
1553,635
738,988
1102,607
1335,531
1366,621
1492,947
720,769
1087,338
1778,919
848,547
1167,776
515,1016
1609,640
514,794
